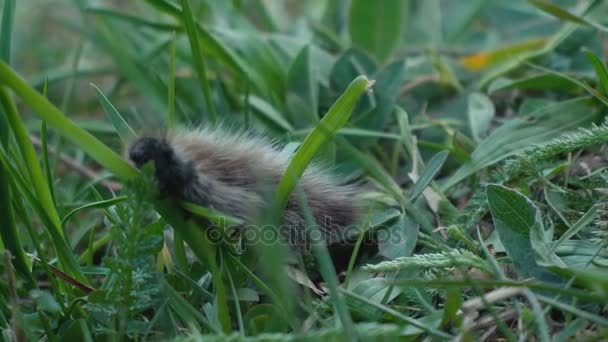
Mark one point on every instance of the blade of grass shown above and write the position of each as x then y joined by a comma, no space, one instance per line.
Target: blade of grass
532,285
64,126
120,47
563,14
64,254
588,88
414,322
197,57
44,150
237,304
97,204
428,175
212,45
326,267
9,232
136,21
600,70
211,214
336,117
171,85
353,132
215,48
204,249
573,310
541,323
584,221
184,309
123,129
6,30
19,208
553,42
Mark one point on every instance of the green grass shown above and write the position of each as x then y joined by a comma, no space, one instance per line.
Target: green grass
480,127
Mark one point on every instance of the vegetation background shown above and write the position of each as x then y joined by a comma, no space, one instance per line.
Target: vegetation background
483,134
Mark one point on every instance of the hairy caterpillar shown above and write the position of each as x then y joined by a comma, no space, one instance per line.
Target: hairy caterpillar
230,172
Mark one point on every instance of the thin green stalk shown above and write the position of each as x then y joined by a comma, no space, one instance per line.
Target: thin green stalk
171,86
44,150
414,322
197,56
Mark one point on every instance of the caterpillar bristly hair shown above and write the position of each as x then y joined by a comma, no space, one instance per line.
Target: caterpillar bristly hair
230,171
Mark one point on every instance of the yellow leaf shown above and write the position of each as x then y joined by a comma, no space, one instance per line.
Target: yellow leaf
482,60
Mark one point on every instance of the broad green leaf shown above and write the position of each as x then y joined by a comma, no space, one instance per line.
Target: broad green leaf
336,117
520,133
427,176
350,64
514,217
45,301
376,26
76,330
123,129
480,113
375,107
401,238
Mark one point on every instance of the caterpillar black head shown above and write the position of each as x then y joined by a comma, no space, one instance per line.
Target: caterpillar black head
172,175
150,149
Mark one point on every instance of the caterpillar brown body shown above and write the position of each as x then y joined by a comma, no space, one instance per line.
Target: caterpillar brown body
232,172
